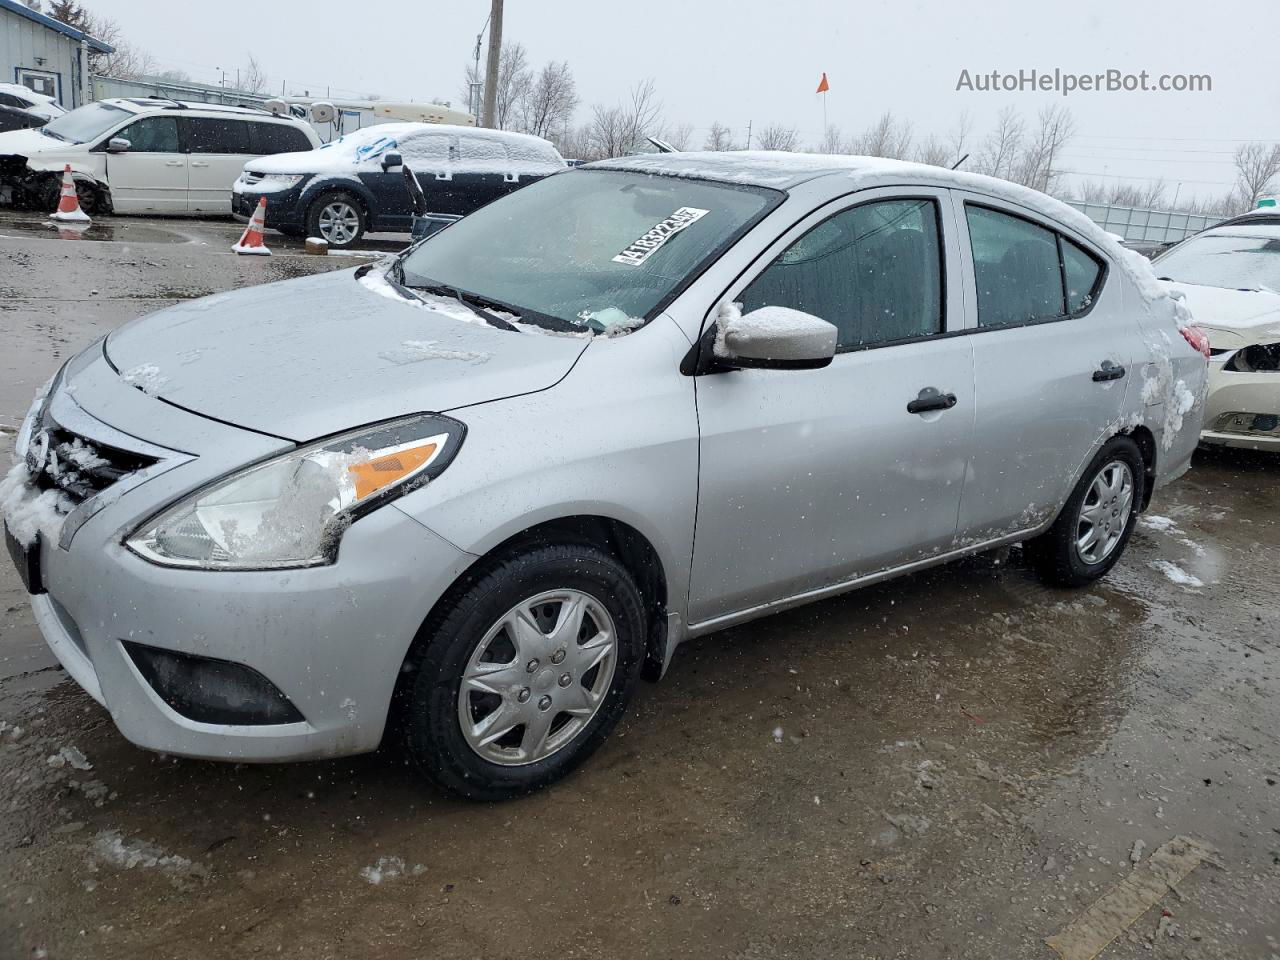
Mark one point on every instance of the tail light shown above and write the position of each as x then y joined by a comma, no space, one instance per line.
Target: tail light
1198,339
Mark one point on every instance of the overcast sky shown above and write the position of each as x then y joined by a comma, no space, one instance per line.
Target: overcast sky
760,61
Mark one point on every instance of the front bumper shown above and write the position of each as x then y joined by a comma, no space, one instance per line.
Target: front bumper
284,207
331,639
1242,409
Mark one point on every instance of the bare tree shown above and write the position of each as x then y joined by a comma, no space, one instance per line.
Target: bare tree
887,137
1001,146
958,137
1037,166
513,79
832,142
613,131
549,100
253,79
934,152
679,135
1257,164
777,137
719,138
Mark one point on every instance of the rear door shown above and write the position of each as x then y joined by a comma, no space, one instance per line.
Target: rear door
218,148
151,176
811,478
1053,358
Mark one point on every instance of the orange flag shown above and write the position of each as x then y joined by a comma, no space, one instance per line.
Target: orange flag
823,86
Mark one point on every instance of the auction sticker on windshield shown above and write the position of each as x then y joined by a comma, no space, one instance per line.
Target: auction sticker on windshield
638,251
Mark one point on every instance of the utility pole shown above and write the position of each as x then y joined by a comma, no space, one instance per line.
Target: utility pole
748,134
491,65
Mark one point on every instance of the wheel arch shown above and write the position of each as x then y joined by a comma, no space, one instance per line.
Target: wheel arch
1146,442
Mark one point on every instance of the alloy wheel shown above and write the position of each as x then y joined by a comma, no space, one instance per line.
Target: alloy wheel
1104,512
339,222
537,677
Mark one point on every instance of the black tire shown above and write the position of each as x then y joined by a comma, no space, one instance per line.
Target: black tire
427,699
317,208
1055,554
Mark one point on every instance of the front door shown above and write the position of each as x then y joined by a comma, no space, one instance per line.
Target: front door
809,478
151,176
218,150
1053,358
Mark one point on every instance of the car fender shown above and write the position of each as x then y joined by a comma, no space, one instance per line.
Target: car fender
330,181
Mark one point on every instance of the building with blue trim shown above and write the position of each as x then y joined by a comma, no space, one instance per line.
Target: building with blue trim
45,54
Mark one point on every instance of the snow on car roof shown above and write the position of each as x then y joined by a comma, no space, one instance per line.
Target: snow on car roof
783,171
18,90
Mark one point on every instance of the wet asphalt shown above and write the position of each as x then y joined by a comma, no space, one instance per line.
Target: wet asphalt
955,764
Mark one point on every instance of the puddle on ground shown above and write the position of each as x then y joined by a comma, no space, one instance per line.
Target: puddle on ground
99,230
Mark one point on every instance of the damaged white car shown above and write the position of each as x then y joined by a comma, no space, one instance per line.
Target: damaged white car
1230,278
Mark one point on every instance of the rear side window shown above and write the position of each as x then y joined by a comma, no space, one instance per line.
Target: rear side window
1015,264
152,135
269,138
874,271
1082,272
217,135
9,100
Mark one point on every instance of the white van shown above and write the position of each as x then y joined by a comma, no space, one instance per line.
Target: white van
145,155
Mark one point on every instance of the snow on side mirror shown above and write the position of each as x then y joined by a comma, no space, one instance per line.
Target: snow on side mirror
118,145
392,160
773,338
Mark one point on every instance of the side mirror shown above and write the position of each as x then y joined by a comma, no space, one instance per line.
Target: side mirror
773,338
118,145
390,160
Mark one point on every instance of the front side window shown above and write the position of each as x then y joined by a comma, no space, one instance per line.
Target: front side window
426,149
588,248
1015,264
152,135
216,135
874,271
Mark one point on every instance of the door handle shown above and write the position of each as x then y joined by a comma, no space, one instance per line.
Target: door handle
931,398
199,163
173,163
1108,371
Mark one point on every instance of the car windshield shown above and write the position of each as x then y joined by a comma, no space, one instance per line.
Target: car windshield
589,248
85,123
1235,262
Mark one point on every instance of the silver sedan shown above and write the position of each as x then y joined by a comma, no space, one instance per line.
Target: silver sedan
470,495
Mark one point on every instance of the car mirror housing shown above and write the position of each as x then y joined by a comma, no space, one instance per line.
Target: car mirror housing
773,338
118,145
391,160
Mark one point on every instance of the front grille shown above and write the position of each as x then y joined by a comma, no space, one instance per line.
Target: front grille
76,465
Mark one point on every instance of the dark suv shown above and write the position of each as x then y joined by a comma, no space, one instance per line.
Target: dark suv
356,183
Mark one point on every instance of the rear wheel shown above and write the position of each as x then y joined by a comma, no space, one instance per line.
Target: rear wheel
86,193
1094,527
526,672
337,217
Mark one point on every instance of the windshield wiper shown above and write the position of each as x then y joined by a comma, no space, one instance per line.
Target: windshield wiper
473,303
50,133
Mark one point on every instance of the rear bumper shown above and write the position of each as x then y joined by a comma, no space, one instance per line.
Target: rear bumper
1243,409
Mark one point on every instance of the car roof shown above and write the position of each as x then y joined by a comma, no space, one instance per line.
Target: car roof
761,168
138,104
1264,229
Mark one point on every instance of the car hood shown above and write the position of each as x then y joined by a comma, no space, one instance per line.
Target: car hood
320,160
1234,319
305,358
25,143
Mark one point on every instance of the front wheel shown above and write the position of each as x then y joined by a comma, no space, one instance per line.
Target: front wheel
526,672
338,218
1094,527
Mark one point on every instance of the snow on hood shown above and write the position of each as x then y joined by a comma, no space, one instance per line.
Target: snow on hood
424,146
305,358
26,143
1234,319
781,169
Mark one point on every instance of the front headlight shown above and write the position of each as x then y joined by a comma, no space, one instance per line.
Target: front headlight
290,511
282,179
34,414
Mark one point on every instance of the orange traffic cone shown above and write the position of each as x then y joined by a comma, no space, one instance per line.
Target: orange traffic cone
251,239
68,203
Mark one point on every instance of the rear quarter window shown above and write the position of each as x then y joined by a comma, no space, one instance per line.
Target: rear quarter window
268,138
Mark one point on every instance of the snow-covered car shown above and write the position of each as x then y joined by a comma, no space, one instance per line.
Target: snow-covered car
39,105
356,184
12,118
1230,278
467,496
144,155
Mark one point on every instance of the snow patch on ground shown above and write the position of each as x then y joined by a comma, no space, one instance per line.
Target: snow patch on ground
386,868
146,377
1176,574
112,848
415,351
70,756
1160,524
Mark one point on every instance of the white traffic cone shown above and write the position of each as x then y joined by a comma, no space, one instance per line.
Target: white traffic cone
251,239
68,203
